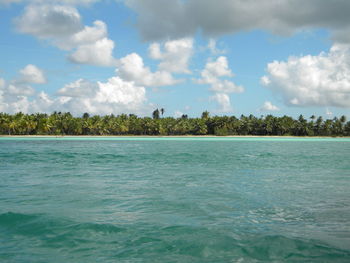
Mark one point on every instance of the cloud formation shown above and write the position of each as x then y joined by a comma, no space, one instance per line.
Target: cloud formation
14,94
215,74
224,102
268,106
212,46
174,55
185,18
61,25
2,83
125,92
49,21
32,74
322,80
19,90
99,53
80,88
114,96
132,68
85,35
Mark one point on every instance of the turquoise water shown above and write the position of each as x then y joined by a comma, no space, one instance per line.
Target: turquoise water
174,200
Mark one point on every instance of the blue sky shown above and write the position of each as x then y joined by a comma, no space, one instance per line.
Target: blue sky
132,56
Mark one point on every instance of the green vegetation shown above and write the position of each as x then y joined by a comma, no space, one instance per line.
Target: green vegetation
65,124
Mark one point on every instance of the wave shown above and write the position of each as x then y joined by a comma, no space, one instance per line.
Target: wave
166,243
12,219
40,224
277,247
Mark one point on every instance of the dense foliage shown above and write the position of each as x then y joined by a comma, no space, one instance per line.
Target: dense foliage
65,124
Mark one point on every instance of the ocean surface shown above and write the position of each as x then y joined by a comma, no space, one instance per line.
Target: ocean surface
174,200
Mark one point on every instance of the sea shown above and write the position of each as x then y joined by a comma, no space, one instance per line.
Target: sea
211,199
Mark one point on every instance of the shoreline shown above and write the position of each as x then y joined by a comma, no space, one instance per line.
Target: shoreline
169,136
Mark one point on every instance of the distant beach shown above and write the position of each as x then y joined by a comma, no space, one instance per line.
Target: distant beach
165,136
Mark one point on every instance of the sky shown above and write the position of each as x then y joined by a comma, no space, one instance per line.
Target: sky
228,57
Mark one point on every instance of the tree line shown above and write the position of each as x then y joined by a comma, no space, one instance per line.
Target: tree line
64,123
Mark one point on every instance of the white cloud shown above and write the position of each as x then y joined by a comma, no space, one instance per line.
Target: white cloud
226,86
131,68
79,88
88,35
42,103
265,81
322,80
268,106
114,96
119,91
154,51
24,103
215,69
212,46
49,21
32,74
174,55
3,104
91,34
99,53
2,83
61,26
212,74
163,19
224,102
14,95
20,90
19,104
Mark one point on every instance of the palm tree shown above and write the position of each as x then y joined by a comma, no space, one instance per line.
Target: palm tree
347,129
205,115
200,127
318,126
342,119
86,115
155,114
302,128
65,123
326,128
337,127
5,124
